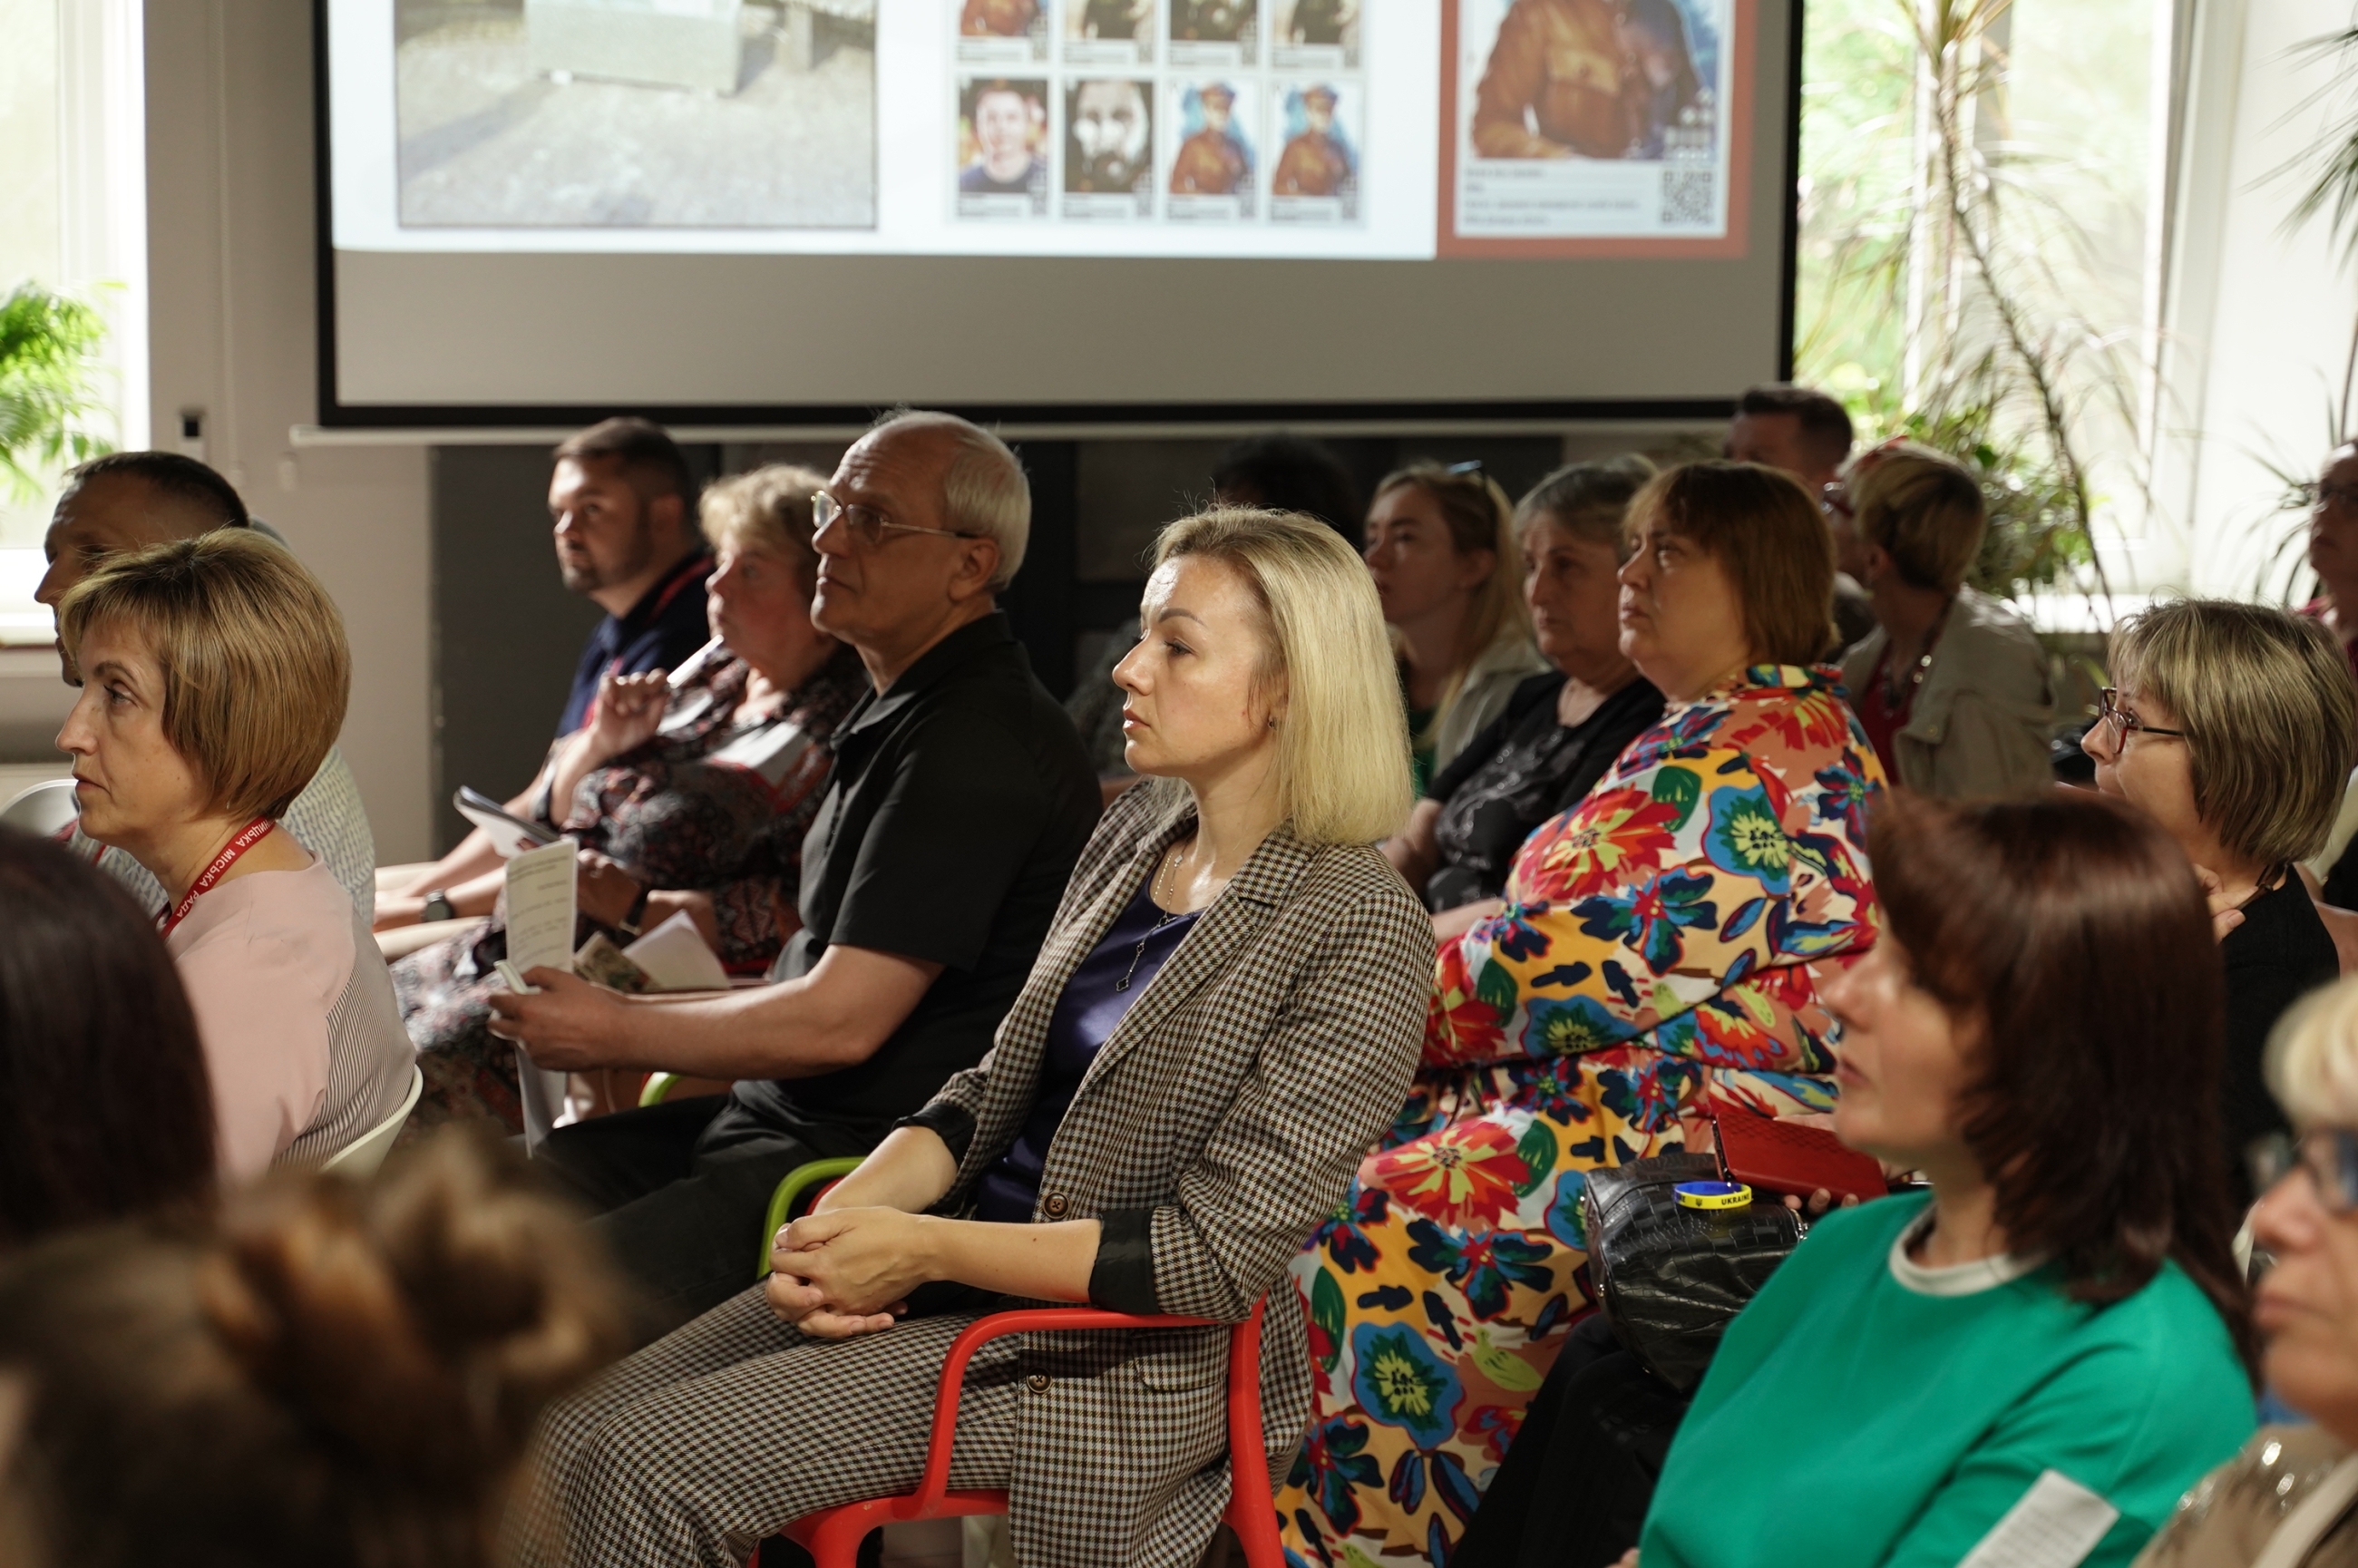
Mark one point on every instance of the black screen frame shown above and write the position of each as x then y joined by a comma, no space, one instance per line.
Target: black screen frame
334,414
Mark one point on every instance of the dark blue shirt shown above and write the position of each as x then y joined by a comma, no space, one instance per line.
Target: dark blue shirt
1095,999
658,632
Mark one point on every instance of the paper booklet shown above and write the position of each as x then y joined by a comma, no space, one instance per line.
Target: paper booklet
540,933
511,834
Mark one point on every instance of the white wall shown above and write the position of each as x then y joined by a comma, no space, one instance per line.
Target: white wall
230,321
2258,320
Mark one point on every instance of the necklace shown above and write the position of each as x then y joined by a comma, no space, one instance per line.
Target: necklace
1916,674
1169,860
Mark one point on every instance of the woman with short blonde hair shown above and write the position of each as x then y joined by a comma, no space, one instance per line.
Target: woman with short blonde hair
215,676
1952,685
1222,1018
1440,544
2232,725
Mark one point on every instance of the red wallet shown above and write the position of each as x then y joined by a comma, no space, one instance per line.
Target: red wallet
1771,1154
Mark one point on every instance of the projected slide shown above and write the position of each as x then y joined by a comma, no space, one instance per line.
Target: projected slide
1327,129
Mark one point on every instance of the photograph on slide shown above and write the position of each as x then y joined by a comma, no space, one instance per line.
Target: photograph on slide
1571,121
1213,162
1219,35
1314,35
1003,148
1110,32
1316,127
635,114
1002,32
1109,148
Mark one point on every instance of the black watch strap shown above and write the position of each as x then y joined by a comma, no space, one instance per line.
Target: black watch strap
630,923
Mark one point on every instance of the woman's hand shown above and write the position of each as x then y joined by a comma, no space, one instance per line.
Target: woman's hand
629,709
602,890
2225,916
797,1302
569,1025
864,1262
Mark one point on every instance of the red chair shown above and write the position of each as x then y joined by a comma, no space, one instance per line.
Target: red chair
832,1536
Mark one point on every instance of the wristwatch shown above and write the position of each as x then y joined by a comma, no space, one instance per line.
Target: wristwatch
630,923
437,907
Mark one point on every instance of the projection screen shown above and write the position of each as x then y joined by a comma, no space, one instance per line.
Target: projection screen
1056,209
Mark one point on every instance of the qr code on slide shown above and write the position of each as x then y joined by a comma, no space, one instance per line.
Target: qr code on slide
1687,196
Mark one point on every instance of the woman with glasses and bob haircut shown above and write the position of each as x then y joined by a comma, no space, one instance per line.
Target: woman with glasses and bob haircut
2290,1491
2052,1343
2232,726
1222,1018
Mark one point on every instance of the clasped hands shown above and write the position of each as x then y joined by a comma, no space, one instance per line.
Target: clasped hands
849,1270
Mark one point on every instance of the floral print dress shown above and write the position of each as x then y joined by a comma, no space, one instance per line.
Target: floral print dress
1662,941
716,800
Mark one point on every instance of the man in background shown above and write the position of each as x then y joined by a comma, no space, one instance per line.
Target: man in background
1807,434
622,506
129,501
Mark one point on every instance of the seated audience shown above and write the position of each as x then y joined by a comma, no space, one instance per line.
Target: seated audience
1440,541
1276,471
2034,1360
689,794
2333,548
2232,726
128,501
1662,946
1224,1015
105,1110
215,676
1951,685
1807,435
959,801
2288,1494
328,1372
1561,729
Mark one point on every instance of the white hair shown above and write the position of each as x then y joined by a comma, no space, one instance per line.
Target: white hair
984,491
2312,1060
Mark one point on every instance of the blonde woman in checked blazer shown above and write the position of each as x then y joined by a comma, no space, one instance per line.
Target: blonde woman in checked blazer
1225,1015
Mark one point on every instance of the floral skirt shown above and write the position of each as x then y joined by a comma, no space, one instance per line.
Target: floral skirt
1441,1290
445,994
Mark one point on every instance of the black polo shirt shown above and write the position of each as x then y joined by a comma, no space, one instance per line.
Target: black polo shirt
960,804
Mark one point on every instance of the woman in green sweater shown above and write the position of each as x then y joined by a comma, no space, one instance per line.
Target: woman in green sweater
2030,1366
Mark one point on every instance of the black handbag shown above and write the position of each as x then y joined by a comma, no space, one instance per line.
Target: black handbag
1670,1278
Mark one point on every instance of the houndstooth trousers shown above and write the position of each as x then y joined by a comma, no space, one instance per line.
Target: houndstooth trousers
629,1470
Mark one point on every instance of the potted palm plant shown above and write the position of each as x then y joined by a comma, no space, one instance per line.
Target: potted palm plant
50,410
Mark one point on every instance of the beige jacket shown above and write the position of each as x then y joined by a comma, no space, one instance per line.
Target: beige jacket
1980,724
2235,1513
1490,681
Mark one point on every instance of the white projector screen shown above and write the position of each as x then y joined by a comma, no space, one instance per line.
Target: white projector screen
1091,210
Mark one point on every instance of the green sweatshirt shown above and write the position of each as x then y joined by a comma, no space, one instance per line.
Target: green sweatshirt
1867,1410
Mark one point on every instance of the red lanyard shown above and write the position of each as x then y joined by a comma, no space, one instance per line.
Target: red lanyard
253,833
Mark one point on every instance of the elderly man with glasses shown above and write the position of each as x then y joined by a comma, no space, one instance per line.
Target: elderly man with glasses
960,800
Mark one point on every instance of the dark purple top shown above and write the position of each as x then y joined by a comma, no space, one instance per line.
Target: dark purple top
1094,1001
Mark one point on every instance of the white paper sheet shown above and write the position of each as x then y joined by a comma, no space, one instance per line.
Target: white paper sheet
540,932
2055,1525
676,958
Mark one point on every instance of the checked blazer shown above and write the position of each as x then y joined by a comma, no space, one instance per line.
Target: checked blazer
1216,1127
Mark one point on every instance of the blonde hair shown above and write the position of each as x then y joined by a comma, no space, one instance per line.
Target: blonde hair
1342,747
254,666
2312,1060
1924,511
984,493
2266,701
1479,517
766,509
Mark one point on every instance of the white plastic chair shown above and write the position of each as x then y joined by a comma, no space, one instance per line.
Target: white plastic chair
359,1158
45,810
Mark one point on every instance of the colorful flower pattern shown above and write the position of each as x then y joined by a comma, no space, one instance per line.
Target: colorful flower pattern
1663,939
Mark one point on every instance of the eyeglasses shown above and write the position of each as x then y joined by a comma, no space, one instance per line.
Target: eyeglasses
1834,501
2330,1156
2322,493
2109,709
867,524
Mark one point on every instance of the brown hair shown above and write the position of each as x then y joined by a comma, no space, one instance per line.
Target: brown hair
642,452
1479,517
2071,929
255,669
1823,423
1589,500
105,1107
1760,525
2266,701
1925,512
329,1373
767,508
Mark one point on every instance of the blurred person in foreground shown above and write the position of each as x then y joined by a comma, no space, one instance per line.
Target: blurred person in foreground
2290,1492
689,793
1952,684
2054,1342
1805,433
215,676
2232,726
1561,729
326,1372
104,1108
126,501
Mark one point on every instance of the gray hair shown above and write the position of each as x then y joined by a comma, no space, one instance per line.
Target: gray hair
984,493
